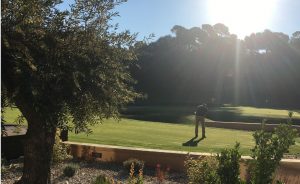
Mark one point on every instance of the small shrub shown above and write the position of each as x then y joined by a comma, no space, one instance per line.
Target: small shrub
268,151
202,170
70,170
102,179
60,150
135,180
137,164
229,167
140,179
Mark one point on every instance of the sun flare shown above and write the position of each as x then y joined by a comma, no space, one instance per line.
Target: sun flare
242,16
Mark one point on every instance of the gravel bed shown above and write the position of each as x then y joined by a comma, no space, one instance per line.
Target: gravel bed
87,173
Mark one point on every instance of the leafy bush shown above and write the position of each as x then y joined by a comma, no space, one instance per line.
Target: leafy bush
202,170
60,150
70,169
268,151
229,167
224,168
102,179
137,165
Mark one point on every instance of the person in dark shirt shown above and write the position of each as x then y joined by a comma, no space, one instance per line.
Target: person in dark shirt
200,113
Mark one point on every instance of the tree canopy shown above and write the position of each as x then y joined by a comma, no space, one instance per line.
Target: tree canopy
63,60
210,64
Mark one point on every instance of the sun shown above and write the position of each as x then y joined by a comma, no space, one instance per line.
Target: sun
243,17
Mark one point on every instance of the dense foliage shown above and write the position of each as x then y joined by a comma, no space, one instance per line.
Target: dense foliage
202,170
70,169
56,61
225,168
209,64
268,151
229,165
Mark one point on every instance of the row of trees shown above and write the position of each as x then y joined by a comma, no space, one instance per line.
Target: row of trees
209,64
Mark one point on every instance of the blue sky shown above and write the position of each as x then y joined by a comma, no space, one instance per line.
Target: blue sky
241,16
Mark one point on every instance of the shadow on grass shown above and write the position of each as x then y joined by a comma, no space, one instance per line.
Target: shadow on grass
235,115
166,114
165,118
221,114
185,115
179,115
192,142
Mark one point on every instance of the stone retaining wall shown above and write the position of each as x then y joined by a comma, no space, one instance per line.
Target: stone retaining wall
288,171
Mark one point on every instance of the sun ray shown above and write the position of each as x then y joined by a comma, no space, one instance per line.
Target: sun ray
242,16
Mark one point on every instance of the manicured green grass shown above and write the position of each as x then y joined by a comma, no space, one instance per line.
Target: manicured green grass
11,115
161,135
145,134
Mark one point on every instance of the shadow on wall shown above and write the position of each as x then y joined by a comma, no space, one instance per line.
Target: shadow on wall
287,171
12,147
12,141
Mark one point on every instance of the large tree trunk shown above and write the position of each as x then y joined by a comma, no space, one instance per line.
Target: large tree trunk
38,149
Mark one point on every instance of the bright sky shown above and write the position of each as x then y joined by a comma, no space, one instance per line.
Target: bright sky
241,16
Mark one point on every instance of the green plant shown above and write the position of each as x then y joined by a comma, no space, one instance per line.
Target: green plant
135,180
137,164
202,170
102,179
268,151
140,179
280,182
229,167
70,169
60,150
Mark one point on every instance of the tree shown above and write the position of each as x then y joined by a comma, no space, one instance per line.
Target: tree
211,64
221,29
60,65
295,40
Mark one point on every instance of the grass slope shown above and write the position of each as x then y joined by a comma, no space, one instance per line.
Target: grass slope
145,134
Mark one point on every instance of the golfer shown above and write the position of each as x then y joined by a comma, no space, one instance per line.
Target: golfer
200,113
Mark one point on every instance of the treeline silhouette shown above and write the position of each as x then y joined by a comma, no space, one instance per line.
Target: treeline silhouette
209,64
